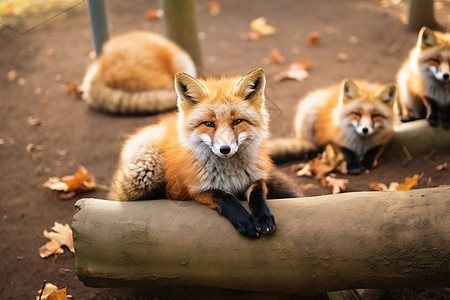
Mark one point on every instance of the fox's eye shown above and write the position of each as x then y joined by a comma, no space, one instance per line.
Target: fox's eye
435,60
208,124
355,113
237,121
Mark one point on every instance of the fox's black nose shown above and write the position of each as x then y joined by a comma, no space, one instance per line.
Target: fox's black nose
446,76
225,149
365,130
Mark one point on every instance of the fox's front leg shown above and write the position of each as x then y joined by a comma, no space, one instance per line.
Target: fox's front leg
264,220
231,208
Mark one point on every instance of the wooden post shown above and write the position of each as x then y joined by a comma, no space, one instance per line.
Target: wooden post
327,243
421,13
180,26
99,24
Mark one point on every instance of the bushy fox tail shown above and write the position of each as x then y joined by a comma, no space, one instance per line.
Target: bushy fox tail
284,149
117,101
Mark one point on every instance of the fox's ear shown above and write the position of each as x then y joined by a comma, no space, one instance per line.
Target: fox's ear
349,90
388,94
189,90
427,38
251,86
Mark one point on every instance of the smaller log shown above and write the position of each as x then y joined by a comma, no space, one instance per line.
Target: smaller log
327,243
418,138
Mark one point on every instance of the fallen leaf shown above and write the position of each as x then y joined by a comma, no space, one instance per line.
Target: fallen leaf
275,56
305,171
214,8
154,14
297,70
58,295
50,52
82,181
11,76
48,289
441,167
409,183
313,37
378,186
335,184
260,26
71,88
251,36
343,57
61,235
34,121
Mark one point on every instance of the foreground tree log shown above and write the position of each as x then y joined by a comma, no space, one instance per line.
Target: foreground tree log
327,243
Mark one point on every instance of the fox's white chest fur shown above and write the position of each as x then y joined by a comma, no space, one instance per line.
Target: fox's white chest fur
234,174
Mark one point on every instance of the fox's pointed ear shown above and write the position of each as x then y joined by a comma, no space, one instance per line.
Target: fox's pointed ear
427,38
388,94
251,86
349,90
189,90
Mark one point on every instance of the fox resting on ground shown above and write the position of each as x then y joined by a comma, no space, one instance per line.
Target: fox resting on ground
134,74
424,80
212,151
356,118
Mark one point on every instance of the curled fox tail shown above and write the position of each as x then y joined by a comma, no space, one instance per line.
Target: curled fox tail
283,149
118,101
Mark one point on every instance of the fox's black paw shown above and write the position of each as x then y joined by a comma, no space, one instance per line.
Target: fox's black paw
433,121
245,225
265,223
354,169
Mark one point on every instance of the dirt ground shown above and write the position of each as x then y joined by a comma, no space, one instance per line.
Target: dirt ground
55,55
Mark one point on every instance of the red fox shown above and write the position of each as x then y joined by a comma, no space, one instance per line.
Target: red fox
357,118
134,74
212,151
424,80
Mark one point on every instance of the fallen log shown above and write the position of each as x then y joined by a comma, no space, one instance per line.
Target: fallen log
327,243
418,138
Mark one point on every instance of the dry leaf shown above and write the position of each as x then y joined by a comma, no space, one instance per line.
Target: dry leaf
260,26
297,70
313,38
251,36
214,8
409,183
61,235
154,14
305,171
11,76
82,181
441,167
34,121
71,88
48,289
275,56
378,186
337,185
343,57
58,295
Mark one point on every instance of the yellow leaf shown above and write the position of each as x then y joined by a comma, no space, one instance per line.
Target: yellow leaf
410,182
337,185
260,26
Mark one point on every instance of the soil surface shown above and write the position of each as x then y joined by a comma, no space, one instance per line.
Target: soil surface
45,130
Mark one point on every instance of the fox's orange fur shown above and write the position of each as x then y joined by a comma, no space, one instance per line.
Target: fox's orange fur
424,79
134,74
212,151
357,118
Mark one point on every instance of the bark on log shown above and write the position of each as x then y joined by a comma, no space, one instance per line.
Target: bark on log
326,243
418,138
